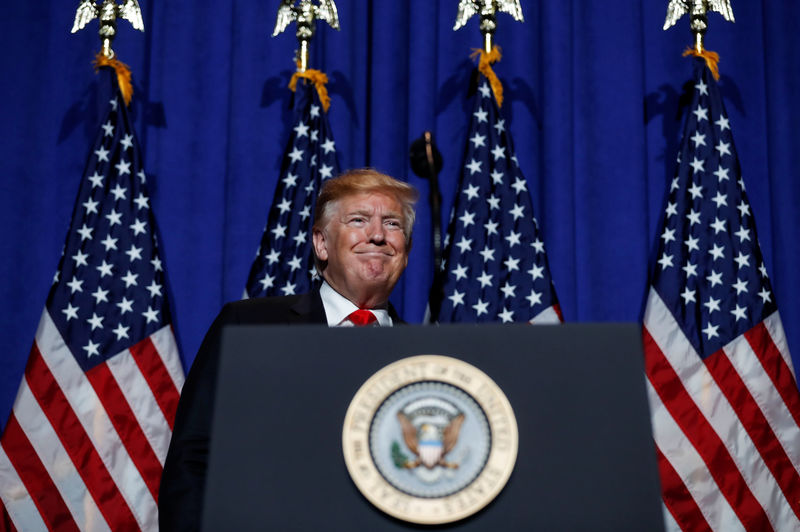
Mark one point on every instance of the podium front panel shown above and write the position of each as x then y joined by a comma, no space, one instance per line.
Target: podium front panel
586,457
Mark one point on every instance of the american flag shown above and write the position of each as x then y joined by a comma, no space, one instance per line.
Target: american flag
91,423
495,267
284,262
723,394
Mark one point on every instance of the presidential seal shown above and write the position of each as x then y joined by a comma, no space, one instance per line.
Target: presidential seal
430,439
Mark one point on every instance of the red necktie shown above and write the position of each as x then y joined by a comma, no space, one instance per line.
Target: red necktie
362,317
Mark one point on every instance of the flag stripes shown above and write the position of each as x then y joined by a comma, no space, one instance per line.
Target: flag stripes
158,379
762,345
744,465
677,497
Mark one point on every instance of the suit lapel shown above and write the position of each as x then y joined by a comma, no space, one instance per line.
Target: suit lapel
309,309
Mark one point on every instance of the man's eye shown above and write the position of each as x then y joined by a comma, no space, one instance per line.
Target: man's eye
393,223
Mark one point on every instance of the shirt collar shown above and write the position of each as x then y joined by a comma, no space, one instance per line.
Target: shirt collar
337,308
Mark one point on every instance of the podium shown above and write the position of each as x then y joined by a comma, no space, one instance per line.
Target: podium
586,458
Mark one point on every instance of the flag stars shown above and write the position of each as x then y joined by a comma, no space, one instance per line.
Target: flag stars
273,256
723,123
509,290
285,205
134,253
105,269
75,285
478,140
742,260
491,228
688,296
744,208
301,130
536,272
91,349
487,253
699,139
513,239
500,126
96,179
718,225
457,298
314,111
701,113
114,218
696,191
127,141
141,175
498,152
507,316
474,167
697,165
693,217
108,129
138,227
328,146
121,331
305,213
300,238
674,185
519,185
471,191
102,154
702,87
141,201
497,177
711,331
740,286
743,234
717,251
517,212
714,278
156,262
279,231
722,174
720,199
95,321
126,305
672,209
113,102
511,264
80,258
290,180
538,246
712,304
485,279
267,281
130,279
119,192
763,270
668,235
692,243
665,261
494,202
468,218
481,307
484,90
465,244
460,272
326,171
100,296
296,155
480,115
70,312
739,313
150,314
723,148
90,205
765,296
534,298
690,269
123,167
289,288
295,263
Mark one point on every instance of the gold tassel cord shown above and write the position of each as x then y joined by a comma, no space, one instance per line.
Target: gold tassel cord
123,74
319,79
711,59
485,67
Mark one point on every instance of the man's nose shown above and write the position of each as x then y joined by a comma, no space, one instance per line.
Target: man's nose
376,232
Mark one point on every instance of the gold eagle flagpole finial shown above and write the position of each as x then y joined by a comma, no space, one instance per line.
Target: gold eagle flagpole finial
699,21
487,10
305,13
108,12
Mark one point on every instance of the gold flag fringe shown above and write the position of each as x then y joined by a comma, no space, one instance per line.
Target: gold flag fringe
319,79
711,59
123,74
487,59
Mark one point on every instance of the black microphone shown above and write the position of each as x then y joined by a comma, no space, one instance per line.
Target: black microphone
426,162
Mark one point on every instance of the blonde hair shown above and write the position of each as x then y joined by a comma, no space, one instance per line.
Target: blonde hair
363,180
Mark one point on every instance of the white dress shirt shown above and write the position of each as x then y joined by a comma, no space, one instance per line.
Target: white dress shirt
337,308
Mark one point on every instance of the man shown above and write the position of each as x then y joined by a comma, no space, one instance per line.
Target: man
361,236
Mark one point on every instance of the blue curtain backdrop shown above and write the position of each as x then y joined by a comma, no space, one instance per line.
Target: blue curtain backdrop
592,92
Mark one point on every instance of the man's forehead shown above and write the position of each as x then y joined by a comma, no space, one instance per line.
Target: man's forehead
368,202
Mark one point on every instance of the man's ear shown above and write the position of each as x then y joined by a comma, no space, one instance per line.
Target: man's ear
320,244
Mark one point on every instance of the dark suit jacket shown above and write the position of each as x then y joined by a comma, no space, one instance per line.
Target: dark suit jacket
180,499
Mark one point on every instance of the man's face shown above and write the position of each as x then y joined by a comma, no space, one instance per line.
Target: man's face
364,245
